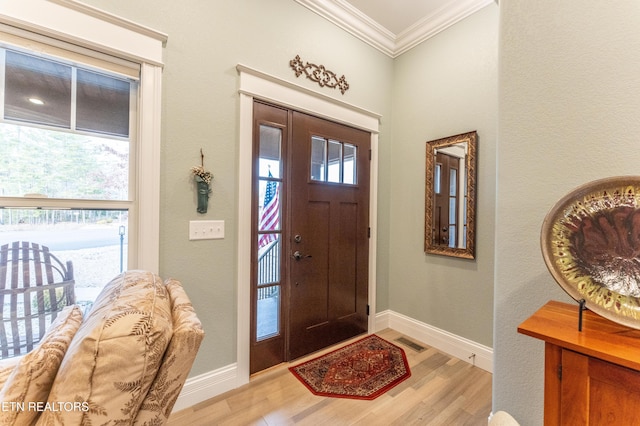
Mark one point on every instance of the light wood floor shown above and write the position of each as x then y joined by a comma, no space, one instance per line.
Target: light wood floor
441,391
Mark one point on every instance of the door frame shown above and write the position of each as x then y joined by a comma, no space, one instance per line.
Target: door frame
258,85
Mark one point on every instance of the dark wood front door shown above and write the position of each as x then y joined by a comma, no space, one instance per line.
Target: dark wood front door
311,235
329,234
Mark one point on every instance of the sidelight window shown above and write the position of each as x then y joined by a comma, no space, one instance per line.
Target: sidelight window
268,288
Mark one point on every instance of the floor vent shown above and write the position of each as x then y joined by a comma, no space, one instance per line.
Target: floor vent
413,345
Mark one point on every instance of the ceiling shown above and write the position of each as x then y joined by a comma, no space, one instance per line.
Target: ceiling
398,15
394,26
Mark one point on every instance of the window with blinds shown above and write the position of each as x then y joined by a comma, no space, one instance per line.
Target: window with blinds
67,155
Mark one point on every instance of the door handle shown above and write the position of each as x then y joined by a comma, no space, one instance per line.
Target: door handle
297,255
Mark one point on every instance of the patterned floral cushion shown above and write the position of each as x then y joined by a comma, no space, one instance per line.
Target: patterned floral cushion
177,362
115,354
6,368
27,386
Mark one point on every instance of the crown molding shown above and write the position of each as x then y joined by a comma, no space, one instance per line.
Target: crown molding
443,18
350,19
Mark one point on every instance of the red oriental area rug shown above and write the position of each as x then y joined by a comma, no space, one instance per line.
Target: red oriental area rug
361,370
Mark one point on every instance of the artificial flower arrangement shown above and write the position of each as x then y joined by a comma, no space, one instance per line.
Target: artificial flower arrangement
203,179
201,174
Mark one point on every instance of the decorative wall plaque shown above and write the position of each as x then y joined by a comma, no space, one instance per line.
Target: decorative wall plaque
319,74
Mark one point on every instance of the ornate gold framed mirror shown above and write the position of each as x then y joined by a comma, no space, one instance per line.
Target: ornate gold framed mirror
450,196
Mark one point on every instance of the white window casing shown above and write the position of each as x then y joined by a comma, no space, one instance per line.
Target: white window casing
125,48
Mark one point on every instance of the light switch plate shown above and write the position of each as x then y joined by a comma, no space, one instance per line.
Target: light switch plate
206,229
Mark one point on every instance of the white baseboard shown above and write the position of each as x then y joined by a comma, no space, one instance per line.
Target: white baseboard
442,340
205,386
382,320
213,383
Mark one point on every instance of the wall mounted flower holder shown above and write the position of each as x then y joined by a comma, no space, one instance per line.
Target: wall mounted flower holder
203,180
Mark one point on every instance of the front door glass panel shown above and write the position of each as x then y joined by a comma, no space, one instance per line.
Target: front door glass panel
318,158
349,164
333,161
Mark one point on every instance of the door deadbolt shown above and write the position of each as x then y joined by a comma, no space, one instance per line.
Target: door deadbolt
297,238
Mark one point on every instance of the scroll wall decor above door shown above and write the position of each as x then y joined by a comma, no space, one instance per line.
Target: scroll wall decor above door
319,74
450,196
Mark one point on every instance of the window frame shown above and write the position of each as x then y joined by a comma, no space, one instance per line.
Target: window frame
74,23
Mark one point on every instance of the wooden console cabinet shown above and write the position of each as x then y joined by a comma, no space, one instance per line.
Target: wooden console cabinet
590,377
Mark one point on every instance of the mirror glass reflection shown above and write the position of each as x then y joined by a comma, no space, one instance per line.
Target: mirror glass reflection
450,196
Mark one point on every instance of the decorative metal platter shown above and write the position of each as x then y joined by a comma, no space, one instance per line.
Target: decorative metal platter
591,244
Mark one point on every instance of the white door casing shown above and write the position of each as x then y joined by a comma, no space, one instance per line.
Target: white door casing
257,85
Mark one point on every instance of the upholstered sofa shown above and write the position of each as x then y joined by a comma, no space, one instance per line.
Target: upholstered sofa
123,364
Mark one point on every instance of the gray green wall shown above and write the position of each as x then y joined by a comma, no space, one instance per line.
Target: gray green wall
569,79
207,39
444,86
566,85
